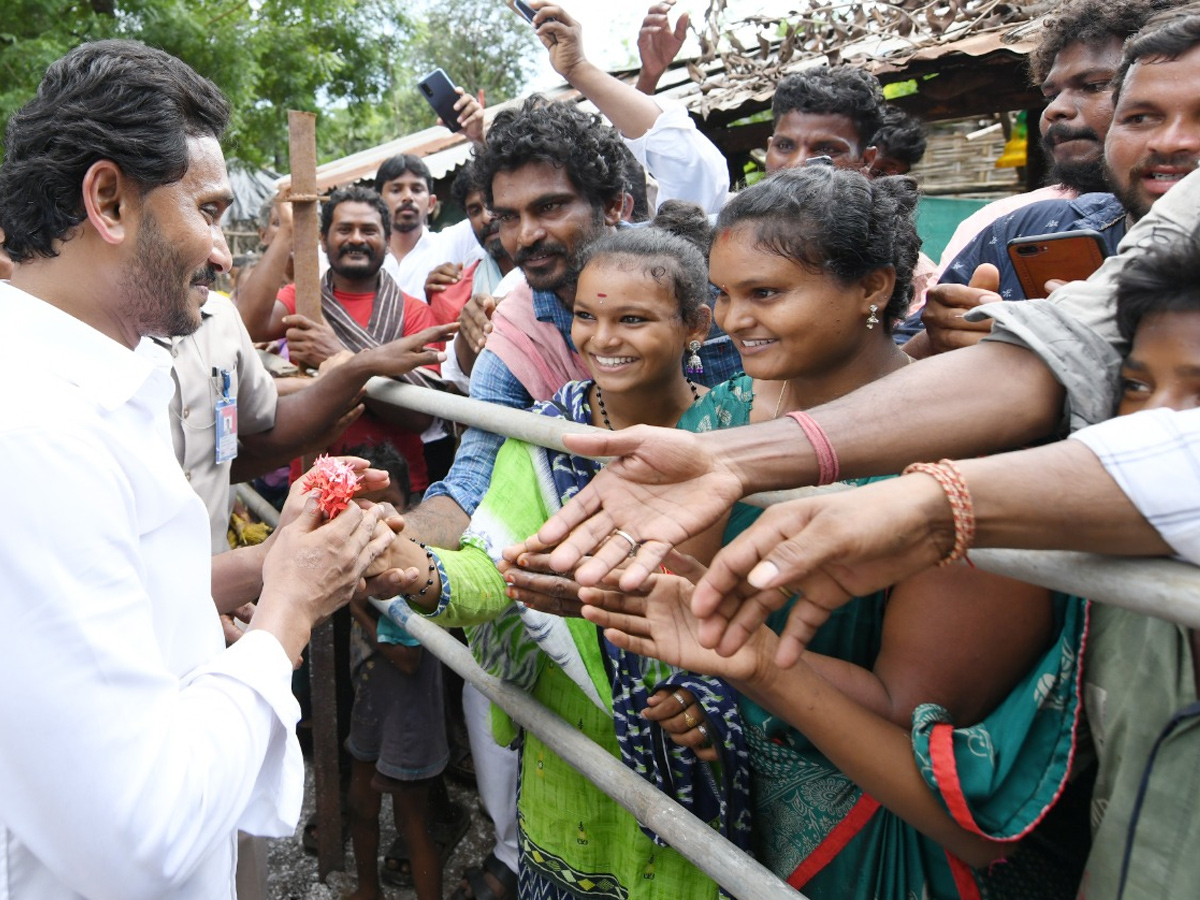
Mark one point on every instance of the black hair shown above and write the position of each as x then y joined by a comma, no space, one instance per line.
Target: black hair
1089,22
560,134
672,261
466,182
1164,279
1165,37
841,90
687,220
355,193
395,166
901,137
115,100
385,456
836,221
635,185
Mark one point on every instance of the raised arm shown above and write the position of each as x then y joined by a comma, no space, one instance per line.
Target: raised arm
658,43
631,111
255,296
668,485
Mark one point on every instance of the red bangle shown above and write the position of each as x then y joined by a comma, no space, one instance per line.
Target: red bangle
827,461
952,483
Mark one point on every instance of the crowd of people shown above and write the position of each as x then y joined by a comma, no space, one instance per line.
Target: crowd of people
829,683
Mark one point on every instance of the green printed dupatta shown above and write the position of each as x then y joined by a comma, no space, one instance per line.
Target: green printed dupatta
997,778
575,841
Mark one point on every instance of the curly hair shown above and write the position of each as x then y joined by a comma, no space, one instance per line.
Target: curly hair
836,221
668,259
1089,22
687,220
395,166
843,90
115,100
901,137
466,182
1166,36
560,134
355,193
1164,279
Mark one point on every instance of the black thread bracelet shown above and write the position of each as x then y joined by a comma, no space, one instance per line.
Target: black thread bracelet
432,567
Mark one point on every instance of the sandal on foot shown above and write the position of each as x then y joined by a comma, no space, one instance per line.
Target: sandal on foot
447,831
481,888
308,838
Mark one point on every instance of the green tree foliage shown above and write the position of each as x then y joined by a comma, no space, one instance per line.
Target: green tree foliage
481,44
353,61
267,56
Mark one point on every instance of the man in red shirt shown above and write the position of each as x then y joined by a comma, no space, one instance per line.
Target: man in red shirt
363,307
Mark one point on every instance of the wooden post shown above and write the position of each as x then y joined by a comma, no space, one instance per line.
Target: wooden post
302,155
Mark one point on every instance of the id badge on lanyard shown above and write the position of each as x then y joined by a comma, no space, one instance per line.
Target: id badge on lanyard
225,415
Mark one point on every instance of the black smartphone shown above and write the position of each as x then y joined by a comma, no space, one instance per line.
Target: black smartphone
1064,255
527,12
441,94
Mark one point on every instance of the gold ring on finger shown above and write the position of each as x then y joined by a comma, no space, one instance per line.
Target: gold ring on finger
687,717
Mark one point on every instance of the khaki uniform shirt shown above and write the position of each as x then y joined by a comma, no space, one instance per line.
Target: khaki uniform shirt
221,343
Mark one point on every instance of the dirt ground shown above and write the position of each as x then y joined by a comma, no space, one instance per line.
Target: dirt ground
293,872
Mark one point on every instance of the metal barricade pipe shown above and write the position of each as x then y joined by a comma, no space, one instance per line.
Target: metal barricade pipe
709,851
1155,587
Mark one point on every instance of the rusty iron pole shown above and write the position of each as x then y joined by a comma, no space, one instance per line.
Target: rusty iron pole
322,669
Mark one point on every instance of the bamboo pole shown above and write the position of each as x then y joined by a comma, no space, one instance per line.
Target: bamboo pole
1155,587
709,851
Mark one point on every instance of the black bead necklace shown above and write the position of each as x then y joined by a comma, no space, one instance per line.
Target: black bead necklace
604,412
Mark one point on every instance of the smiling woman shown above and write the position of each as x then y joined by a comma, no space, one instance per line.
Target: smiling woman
641,301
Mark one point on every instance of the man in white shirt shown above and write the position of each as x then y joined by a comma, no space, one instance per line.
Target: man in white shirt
414,251
136,744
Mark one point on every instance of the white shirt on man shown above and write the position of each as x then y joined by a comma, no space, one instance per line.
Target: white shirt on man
134,743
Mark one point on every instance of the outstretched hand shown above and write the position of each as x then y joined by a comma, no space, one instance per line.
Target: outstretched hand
532,581
663,487
401,356
659,623
826,550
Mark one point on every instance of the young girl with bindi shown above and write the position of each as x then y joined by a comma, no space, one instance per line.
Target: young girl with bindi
640,311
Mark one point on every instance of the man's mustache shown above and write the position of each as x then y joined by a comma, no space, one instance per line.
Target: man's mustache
1059,133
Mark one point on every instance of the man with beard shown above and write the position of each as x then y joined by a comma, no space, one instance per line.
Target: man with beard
1150,145
450,285
133,717
1074,65
364,308
406,186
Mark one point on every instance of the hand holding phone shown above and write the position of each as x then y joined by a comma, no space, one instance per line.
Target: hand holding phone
526,11
440,92
1062,256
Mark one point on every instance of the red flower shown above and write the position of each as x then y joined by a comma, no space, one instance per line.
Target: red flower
334,481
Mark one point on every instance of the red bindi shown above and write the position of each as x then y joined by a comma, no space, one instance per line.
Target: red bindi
602,295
